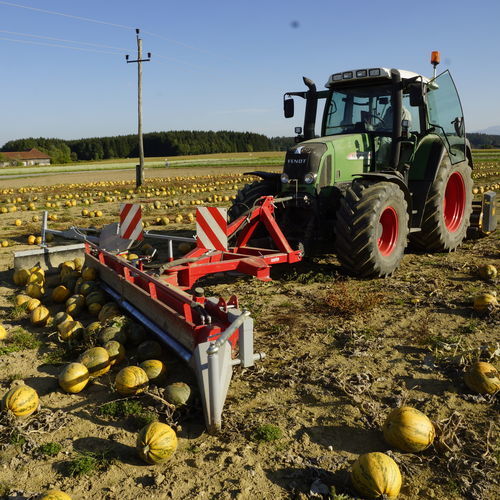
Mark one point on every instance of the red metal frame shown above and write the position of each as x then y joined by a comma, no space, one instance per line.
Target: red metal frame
166,297
242,258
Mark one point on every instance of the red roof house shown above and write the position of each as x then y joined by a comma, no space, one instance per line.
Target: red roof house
30,157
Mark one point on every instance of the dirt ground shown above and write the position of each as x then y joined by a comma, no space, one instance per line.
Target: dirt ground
340,354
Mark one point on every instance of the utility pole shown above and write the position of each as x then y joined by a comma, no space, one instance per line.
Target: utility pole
139,170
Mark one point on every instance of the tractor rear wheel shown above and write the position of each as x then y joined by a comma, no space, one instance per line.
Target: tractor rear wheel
447,209
371,229
248,195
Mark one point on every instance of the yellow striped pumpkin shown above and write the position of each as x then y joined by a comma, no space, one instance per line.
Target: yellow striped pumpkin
3,333
374,475
116,352
31,304
70,330
155,370
483,378
74,377
35,290
96,359
131,380
60,294
408,429
40,316
21,299
22,401
156,443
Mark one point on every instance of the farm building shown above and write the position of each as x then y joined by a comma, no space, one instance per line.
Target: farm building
30,157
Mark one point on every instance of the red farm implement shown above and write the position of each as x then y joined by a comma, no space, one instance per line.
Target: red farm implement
211,334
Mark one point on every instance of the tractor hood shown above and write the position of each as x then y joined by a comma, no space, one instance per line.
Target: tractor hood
332,158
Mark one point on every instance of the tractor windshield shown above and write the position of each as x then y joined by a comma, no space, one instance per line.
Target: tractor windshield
359,109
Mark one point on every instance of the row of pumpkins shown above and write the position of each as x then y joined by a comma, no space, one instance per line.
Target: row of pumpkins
157,441
373,474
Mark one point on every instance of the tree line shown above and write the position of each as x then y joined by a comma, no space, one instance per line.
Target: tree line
484,141
173,143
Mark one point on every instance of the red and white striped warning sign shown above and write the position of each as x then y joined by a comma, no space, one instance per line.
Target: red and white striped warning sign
211,228
131,221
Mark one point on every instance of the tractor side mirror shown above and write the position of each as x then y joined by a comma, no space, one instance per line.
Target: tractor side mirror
416,94
288,108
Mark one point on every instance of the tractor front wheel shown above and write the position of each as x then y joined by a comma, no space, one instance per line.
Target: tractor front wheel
447,209
371,229
248,195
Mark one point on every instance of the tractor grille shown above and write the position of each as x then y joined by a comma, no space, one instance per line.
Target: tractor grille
303,159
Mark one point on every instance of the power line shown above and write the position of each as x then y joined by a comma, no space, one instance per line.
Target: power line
30,42
71,16
63,40
97,21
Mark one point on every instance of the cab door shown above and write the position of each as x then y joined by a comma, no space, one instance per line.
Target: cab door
445,114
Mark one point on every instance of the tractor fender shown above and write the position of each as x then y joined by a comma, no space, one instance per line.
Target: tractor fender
388,177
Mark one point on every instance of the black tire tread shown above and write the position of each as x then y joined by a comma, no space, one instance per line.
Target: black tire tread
356,226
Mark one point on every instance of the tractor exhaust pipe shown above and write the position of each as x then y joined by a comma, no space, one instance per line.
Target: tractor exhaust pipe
311,108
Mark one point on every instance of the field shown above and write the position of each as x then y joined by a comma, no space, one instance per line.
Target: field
340,354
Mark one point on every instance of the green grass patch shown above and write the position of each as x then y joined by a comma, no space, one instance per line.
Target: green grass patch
49,449
266,433
19,340
87,463
131,409
17,313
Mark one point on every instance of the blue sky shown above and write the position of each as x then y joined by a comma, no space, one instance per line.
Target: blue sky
224,64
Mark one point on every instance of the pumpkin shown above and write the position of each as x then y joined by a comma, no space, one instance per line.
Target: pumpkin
78,261
374,475
95,309
21,277
89,273
96,359
488,272
112,333
485,302
54,495
92,296
74,304
74,377
116,352
483,378
408,429
70,330
108,311
155,370
69,265
131,380
150,349
156,443
35,290
60,294
22,401
61,317
3,333
87,287
31,305
136,333
40,316
37,277
178,393
21,299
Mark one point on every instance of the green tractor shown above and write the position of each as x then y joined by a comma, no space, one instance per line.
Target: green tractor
392,164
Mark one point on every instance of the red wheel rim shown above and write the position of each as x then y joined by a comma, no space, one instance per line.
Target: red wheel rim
454,202
389,231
